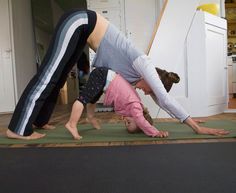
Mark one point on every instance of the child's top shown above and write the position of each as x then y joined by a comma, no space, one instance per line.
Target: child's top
125,100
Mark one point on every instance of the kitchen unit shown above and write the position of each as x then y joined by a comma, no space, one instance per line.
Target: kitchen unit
207,64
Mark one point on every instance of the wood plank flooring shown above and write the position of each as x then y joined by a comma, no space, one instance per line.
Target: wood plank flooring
232,103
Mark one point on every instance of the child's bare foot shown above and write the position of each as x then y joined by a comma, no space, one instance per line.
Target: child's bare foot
46,127
95,123
73,131
34,135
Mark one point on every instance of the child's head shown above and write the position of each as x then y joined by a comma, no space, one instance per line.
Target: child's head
131,125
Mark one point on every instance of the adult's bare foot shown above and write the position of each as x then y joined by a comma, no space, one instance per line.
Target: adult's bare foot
73,131
94,122
34,135
46,127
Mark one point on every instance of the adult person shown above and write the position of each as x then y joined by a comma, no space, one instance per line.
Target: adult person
74,30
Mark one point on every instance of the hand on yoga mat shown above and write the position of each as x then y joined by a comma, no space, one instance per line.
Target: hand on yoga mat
212,131
204,130
162,134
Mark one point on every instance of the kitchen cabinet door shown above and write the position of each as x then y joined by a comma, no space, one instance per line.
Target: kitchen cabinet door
216,65
207,65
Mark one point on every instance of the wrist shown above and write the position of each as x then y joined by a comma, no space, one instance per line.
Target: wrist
191,123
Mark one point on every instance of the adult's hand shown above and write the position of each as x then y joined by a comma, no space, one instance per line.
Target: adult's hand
211,131
204,130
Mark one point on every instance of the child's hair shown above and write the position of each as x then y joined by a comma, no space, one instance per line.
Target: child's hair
147,115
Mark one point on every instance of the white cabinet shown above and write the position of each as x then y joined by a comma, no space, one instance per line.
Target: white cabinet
207,65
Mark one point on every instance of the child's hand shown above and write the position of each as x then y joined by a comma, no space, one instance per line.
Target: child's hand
162,134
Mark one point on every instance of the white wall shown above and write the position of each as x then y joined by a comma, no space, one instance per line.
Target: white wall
23,41
168,48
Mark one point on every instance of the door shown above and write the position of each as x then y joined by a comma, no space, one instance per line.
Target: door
7,99
216,65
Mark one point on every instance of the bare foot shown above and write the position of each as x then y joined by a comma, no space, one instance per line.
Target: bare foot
73,131
34,135
46,127
95,123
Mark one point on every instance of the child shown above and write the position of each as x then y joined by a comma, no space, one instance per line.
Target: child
119,94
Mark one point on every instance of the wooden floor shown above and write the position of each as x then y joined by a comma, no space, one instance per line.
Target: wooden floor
62,112
232,103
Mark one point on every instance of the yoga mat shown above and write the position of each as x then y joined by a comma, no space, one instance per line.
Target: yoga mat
117,133
165,168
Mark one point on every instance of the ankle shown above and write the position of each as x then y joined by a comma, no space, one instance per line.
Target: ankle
91,118
71,124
